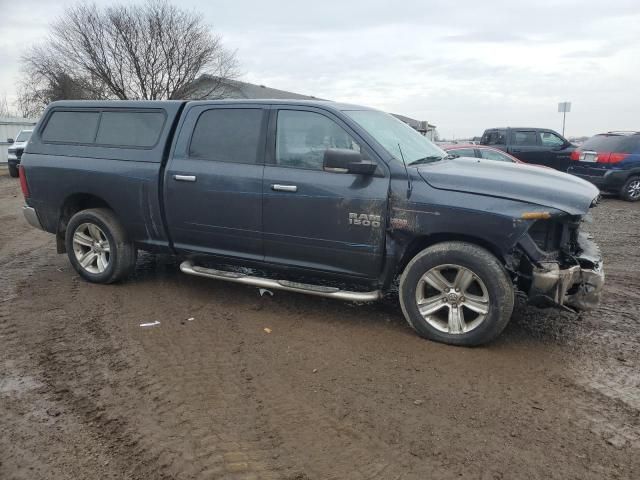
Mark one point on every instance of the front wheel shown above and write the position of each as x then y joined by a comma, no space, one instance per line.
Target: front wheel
456,293
13,171
98,247
631,190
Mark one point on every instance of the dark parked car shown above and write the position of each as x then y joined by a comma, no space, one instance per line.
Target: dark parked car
539,146
15,151
611,161
322,198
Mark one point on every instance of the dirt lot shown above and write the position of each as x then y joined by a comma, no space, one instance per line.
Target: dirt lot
334,391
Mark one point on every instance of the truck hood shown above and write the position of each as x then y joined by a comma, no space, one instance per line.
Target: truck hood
525,183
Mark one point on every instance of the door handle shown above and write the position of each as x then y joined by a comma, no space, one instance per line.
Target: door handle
185,178
284,188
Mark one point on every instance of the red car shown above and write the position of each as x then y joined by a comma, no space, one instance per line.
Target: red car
479,151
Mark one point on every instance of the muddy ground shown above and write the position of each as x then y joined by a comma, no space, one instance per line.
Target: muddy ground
335,391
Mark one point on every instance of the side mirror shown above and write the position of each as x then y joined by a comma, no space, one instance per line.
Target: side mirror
341,160
10,141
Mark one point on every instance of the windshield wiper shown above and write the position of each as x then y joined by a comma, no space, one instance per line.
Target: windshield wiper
429,159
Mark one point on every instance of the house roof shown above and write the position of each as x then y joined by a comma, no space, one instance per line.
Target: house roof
244,90
412,122
17,121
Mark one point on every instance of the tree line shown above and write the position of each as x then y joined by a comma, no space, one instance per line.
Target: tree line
150,51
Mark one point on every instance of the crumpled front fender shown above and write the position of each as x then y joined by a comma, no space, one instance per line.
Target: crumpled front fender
578,287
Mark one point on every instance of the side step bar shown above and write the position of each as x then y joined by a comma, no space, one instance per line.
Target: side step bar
321,291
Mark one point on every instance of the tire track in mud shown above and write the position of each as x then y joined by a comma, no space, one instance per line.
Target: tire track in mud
260,418
31,403
212,398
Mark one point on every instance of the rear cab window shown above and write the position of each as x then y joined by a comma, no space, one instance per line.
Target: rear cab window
76,127
111,128
494,137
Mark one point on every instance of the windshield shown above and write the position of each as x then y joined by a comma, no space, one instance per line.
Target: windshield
391,132
23,136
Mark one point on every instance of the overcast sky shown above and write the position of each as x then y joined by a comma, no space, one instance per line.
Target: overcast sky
464,65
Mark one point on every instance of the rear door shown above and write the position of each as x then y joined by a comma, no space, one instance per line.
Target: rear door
525,146
315,219
213,182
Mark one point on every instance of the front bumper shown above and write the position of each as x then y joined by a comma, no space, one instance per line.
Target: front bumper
31,217
578,287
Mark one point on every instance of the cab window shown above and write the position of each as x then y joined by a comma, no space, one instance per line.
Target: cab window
549,139
227,135
303,137
524,137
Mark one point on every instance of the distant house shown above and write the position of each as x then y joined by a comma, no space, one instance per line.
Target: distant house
422,126
240,90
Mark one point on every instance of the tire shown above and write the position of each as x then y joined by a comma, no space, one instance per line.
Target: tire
484,286
631,190
13,171
98,247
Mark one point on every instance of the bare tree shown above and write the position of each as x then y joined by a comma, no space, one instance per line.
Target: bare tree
5,110
150,51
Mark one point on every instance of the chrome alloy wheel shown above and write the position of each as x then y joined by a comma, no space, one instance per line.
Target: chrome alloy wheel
91,248
633,190
452,299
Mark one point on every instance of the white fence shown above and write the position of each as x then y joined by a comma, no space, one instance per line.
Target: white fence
9,128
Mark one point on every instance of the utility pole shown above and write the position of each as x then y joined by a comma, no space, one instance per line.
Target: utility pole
564,107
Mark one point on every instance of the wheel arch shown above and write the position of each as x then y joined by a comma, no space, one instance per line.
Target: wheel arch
71,205
419,243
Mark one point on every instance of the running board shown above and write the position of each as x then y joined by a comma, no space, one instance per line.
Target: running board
321,291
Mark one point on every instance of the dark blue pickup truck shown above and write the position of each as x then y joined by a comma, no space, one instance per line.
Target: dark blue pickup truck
315,196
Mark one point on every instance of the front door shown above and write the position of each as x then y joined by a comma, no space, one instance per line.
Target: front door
213,183
317,219
558,155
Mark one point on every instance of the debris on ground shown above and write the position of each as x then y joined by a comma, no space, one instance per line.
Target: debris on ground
150,324
264,291
267,329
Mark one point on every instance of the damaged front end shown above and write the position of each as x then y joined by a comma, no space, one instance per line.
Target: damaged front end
558,265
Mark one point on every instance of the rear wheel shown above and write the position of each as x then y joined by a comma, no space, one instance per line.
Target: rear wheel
97,246
13,170
631,190
456,293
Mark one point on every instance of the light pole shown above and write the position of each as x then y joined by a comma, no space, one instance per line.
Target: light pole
564,107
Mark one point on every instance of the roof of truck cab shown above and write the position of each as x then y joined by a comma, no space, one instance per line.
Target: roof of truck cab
114,103
278,101
160,103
